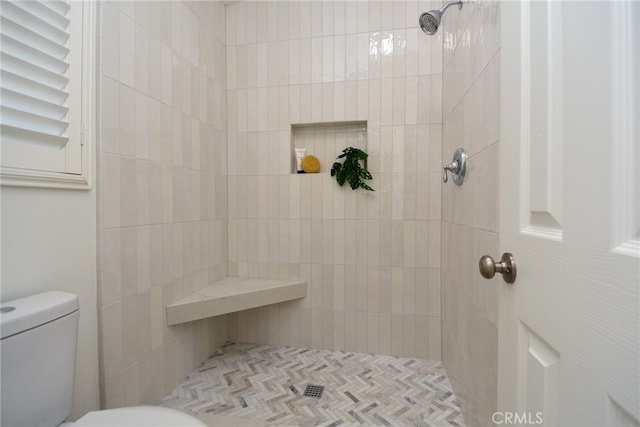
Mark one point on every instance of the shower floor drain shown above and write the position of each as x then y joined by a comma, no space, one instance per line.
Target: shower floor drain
313,391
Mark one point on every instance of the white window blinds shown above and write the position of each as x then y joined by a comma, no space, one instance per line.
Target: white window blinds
41,83
35,61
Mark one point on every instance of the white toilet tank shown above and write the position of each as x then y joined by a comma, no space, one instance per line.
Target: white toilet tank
38,355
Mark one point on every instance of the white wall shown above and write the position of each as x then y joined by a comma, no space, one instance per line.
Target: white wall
49,243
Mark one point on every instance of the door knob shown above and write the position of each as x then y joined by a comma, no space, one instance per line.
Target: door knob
506,267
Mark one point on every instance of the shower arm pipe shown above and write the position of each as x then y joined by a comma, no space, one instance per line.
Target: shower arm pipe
449,4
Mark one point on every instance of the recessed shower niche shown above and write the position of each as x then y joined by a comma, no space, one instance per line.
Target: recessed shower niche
327,140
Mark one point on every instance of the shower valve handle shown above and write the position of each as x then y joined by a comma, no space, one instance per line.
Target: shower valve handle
452,167
457,167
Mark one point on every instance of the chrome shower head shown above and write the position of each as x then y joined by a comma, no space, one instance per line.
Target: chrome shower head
430,21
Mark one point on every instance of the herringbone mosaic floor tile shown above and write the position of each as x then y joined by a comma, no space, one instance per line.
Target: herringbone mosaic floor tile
266,384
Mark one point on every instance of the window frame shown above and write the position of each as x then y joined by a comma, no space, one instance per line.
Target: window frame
82,115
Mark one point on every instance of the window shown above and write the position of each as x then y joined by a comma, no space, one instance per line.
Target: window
47,101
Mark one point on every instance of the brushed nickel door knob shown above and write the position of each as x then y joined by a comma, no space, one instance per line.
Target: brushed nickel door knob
506,267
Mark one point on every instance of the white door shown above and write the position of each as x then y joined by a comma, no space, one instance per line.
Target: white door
569,330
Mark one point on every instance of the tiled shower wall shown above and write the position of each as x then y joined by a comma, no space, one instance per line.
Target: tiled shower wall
162,190
471,108
372,260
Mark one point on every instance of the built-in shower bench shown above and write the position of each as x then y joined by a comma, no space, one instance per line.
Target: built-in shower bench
233,294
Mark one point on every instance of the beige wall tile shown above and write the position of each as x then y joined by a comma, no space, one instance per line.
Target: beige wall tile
284,63
110,108
161,123
145,385
111,195
143,312
111,266
130,332
470,89
128,200
397,334
111,338
129,261
422,334
112,393
409,339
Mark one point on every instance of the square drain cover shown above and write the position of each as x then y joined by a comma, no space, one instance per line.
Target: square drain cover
313,391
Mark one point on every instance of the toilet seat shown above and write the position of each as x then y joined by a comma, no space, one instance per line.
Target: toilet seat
138,416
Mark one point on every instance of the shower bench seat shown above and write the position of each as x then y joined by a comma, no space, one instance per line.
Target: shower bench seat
233,294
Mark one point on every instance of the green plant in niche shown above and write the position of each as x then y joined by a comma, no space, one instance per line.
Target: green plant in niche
350,169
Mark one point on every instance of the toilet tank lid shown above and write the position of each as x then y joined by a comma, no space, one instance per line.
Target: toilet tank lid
139,416
26,313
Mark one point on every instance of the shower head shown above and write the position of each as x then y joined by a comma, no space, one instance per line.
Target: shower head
430,21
